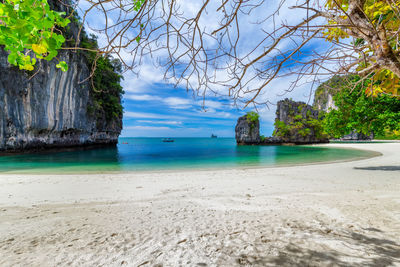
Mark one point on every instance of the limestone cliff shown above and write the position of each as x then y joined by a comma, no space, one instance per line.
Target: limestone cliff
51,109
299,123
295,123
323,97
247,131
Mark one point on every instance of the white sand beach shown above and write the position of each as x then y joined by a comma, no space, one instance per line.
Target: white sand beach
334,214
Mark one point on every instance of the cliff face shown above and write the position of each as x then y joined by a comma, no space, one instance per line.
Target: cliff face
51,109
299,123
324,101
247,132
323,98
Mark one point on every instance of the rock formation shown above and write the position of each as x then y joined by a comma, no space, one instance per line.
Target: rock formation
295,123
299,123
247,131
354,136
51,109
323,97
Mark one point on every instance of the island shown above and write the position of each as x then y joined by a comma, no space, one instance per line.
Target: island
295,123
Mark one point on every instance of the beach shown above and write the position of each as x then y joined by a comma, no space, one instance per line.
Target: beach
330,214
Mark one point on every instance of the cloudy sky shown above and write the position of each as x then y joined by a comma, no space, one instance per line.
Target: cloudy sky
155,108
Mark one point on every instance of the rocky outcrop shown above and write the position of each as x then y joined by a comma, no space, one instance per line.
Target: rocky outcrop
247,131
354,136
325,101
295,123
298,123
323,97
50,108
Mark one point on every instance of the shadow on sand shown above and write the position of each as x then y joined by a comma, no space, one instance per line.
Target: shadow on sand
374,252
379,168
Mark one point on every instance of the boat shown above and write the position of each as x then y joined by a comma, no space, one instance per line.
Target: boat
168,140
213,136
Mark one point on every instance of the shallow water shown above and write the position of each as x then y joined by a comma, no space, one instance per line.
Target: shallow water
147,154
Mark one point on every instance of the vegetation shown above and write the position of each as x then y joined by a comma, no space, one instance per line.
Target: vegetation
358,112
395,135
106,88
300,123
30,30
374,26
252,117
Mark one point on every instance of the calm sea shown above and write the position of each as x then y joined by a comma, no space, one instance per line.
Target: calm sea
144,154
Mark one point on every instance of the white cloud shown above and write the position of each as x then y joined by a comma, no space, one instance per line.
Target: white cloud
172,102
210,104
160,122
178,102
212,113
143,97
144,115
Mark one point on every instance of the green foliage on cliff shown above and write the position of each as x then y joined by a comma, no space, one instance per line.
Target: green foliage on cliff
106,88
303,127
298,124
252,117
281,129
29,30
362,113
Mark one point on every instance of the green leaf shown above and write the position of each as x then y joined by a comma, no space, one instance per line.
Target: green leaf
29,25
60,39
63,66
12,58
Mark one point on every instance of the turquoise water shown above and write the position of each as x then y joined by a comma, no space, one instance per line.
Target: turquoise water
143,154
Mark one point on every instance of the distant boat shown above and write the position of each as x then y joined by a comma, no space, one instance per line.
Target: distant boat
213,136
125,143
168,140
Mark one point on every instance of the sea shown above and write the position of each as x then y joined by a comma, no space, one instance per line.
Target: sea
152,154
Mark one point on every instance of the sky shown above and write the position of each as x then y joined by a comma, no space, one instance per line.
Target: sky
155,108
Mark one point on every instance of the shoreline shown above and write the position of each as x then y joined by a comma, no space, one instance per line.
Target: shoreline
331,214
372,154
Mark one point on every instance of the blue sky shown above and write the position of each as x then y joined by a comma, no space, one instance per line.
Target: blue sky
158,109
154,108
172,112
